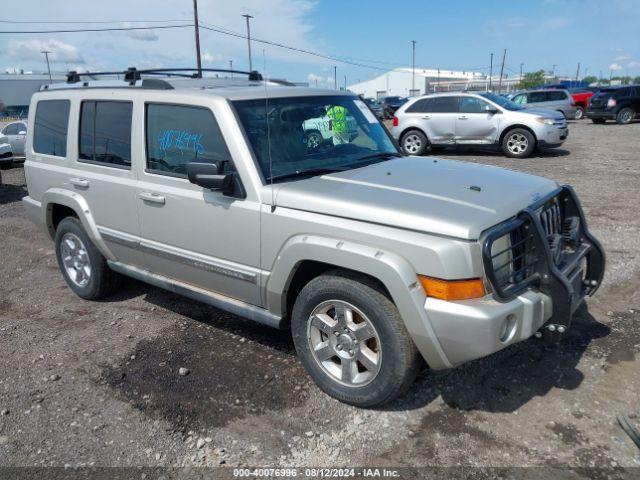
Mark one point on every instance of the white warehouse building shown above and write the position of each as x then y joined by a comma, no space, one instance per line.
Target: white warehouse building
398,82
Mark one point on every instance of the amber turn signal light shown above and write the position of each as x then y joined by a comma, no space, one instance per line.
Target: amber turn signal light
453,289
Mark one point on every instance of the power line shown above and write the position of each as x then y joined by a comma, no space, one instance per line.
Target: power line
112,29
88,22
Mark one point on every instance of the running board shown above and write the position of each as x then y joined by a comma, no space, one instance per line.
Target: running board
231,305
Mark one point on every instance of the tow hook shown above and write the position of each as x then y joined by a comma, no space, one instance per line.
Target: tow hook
551,333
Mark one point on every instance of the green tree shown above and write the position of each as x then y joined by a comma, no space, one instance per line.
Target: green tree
531,79
636,80
590,79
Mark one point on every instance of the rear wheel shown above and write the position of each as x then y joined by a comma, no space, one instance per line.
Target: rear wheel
82,265
625,116
351,340
579,113
414,142
598,120
518,143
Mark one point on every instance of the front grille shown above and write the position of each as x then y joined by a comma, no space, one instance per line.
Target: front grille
551,218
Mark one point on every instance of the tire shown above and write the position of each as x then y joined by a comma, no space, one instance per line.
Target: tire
518,143
598,120
579,115
625,116
391,360
93,279
414,142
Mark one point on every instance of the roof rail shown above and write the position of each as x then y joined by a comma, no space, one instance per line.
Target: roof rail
132,74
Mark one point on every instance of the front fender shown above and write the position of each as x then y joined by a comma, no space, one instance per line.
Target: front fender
392,270
79,205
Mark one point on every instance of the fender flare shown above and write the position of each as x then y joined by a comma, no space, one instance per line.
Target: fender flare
395,273
79,205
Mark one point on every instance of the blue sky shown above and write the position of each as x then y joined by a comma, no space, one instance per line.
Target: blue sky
453,34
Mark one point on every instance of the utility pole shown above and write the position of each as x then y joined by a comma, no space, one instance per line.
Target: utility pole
335,77
504,55
521,65
438,87
413,67
578,72
231,67
345,83
46,55
553,70
247,17
490,71
197,31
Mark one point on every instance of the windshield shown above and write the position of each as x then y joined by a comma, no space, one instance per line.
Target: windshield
502,101
314,133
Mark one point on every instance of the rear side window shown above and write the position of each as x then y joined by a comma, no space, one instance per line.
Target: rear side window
178,134
420,106
556,96
50,127
105,133
444,105
535,97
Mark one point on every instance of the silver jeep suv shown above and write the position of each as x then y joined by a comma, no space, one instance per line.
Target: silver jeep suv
375,262
476,119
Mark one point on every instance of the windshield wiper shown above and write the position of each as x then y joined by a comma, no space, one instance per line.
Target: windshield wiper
305,173
381,155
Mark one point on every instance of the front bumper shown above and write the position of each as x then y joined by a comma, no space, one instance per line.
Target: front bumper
553,136
557,277
606,114
471,329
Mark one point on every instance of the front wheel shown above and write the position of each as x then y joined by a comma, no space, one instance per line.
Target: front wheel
518,143
414,142
625,116
351,340
579,113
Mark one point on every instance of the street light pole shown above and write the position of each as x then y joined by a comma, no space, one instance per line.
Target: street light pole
490,71
46,55
335,77
231,67
247,16
413,67
197,31
521,65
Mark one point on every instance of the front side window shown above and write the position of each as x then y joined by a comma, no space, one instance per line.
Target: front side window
295,136
178,134
50,127
105,133
472,105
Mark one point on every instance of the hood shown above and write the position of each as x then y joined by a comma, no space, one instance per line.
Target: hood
443,197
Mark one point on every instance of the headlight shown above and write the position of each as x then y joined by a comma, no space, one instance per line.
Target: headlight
545,120
502,255
611,103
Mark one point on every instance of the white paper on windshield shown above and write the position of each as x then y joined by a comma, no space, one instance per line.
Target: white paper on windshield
371,118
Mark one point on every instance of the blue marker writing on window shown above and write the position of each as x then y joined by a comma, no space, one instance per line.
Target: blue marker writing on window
180,140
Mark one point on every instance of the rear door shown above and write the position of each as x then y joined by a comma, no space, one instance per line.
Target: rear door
474,125
539,99
440,116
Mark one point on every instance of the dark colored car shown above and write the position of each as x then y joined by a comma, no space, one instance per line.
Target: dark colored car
390,105
375,106
621,104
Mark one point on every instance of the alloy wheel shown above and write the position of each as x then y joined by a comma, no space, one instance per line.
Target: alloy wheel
412,143
75,259
517,143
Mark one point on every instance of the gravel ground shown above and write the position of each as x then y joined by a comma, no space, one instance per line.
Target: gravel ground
86,384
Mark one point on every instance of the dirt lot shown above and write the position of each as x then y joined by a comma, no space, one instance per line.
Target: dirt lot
86,384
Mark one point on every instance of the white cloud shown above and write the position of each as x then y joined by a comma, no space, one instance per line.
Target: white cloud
208,57
144,35
32,50
634,64
615,67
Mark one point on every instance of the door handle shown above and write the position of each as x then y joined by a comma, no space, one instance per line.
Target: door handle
79,182
426,117
151,197
462,117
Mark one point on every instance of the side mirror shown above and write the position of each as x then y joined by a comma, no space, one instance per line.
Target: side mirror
210,176
489,109
22,132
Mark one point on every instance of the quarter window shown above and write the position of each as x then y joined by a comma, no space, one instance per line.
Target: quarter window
420,106
50,127
536,97
177,134
557,95
105,133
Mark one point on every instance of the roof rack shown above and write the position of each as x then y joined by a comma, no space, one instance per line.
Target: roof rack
132,74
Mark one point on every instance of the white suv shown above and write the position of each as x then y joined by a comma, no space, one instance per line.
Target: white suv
456,119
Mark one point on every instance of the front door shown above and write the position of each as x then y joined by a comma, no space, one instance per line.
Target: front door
474,124
196,236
